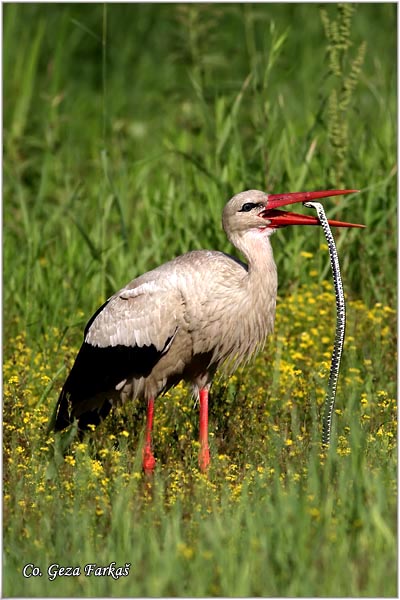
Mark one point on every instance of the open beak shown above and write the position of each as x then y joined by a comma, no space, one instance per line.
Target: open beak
281,218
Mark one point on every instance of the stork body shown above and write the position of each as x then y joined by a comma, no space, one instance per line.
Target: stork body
181,321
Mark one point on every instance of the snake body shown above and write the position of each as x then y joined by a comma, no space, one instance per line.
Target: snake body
340,323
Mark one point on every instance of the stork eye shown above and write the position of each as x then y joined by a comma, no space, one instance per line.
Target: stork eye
248,206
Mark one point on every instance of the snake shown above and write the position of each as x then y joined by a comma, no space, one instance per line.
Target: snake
329,404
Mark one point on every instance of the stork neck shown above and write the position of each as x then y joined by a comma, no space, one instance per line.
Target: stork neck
256,248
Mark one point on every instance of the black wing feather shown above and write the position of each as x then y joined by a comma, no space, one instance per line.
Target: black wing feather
95,373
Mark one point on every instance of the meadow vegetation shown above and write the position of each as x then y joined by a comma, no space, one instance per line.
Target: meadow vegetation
126,129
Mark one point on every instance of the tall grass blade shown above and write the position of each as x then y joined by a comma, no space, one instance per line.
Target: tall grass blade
27,81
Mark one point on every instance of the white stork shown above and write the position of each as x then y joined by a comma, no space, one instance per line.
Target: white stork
184,320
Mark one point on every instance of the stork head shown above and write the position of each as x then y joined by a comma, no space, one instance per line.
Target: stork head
254,210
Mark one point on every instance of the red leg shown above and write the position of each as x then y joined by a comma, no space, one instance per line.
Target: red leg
149,462
204,454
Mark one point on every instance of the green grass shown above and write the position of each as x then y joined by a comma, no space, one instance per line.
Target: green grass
126,129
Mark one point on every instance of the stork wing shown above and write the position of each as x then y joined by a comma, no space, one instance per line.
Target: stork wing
125,338
146,315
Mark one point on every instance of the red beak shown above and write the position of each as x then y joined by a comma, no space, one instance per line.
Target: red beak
280,218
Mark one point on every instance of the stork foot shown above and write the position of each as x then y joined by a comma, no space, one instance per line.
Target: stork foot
148,462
